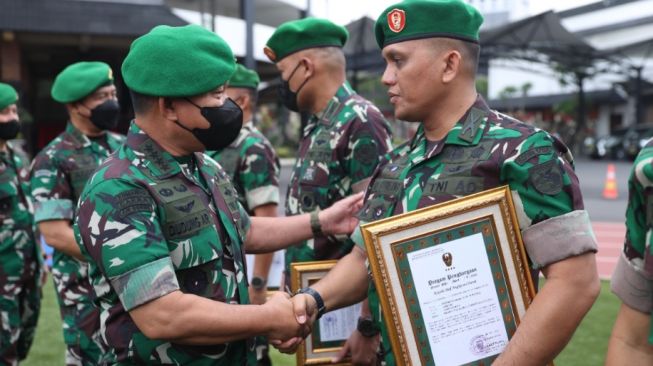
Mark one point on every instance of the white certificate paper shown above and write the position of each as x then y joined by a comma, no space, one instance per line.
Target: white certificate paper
338,325
458,300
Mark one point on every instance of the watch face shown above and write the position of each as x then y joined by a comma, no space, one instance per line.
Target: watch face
258,283
367,328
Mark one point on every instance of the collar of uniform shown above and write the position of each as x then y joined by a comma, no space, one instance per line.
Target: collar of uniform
77,137
159,162
466,132
471,127
333,107
249,125
244,132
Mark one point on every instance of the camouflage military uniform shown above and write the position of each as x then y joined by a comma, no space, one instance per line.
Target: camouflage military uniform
340,147
486,150
152,224
20,293
253,166
59,173
632,280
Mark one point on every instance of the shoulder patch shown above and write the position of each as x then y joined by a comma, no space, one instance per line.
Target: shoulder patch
131,201
533,152
368,153
546,177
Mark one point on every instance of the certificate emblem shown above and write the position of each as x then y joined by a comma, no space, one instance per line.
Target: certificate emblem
447,258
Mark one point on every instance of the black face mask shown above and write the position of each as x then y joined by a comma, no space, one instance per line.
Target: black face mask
225,124
9,130
105,115
287,96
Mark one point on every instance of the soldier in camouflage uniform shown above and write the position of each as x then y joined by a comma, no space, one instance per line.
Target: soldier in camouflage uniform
253,167
59,173
462,147
20,292
345,136
342,143
161,224
631,341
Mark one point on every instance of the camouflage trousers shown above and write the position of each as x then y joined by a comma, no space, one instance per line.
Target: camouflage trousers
20,305
81,334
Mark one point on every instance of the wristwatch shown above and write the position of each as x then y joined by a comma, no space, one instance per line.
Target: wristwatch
316,226
367,327
258,283
321,309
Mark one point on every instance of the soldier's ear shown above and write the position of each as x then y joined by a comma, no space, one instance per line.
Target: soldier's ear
452,65
309,67
167,109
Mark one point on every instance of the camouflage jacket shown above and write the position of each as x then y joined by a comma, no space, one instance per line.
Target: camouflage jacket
19,251
632,280
59,173
152,224
253,166
340,147
484,150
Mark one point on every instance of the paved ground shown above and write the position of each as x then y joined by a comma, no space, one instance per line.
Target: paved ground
607,215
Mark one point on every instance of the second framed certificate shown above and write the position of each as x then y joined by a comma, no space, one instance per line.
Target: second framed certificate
333,329
453,279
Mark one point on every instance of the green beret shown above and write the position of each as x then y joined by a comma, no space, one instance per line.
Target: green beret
244,78
178,62
79,80
8,95
302,34
416,19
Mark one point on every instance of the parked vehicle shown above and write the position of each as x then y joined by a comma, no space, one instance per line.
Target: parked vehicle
610,146
635,139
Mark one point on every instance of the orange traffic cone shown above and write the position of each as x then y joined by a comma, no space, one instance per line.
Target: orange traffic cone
610,191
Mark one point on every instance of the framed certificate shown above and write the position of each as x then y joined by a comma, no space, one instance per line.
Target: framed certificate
333,329
453,279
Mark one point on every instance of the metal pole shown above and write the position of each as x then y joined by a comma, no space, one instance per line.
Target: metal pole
213,11
638,95
247,13
580,80
202,5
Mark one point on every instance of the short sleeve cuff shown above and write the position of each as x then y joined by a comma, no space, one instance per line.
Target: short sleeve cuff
632,285
357,237
58,209
559,238
262,196
145,283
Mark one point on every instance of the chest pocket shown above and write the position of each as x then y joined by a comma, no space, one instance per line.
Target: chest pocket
185,212
84,166
320,150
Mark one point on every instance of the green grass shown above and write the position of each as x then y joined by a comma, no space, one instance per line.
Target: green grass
48,348
587,347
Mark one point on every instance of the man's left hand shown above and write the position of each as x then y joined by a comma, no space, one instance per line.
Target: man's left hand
340,218
363,349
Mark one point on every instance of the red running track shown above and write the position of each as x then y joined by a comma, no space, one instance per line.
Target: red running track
610,236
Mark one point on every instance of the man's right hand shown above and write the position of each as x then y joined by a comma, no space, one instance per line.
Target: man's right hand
285,325
305,313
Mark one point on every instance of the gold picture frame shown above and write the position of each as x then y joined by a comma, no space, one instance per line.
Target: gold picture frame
313,351
420,312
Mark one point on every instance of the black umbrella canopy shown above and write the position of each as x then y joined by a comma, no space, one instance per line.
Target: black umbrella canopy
540,38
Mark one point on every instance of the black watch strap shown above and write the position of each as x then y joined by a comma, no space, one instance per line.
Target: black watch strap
367,327
321,309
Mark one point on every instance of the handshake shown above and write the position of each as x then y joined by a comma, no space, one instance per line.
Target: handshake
291,320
